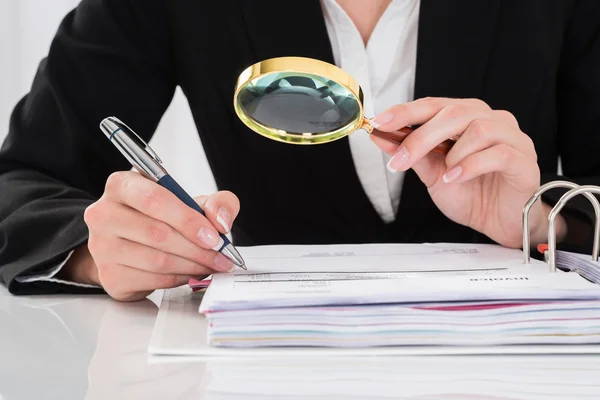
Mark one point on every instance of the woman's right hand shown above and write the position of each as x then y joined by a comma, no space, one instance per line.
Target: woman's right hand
143,238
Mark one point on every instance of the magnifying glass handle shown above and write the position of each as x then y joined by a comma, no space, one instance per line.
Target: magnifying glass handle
398,137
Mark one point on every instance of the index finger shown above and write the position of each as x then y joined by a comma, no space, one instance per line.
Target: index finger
135,191
418,112
390,142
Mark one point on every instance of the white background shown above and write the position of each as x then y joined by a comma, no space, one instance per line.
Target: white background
26,30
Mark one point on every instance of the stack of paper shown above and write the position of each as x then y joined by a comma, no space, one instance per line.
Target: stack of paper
450,295
197,285
580,263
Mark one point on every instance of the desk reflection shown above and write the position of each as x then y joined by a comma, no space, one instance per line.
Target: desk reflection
426,378
96,348
119,368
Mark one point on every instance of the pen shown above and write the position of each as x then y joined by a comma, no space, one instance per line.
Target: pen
146,161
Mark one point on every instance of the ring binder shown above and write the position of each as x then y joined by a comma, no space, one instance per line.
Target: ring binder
537,195
588,191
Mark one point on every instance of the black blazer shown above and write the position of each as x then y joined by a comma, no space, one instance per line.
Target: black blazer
538,59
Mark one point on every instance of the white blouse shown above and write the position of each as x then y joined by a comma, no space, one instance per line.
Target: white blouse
385,69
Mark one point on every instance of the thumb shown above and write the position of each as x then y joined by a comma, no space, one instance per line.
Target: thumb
430,169
387,146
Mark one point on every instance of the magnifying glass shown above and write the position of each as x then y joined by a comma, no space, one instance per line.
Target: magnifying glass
306,101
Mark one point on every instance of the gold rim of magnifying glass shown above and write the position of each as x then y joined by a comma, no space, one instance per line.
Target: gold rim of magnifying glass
308,66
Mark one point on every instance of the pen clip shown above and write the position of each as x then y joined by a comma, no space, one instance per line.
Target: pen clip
136,138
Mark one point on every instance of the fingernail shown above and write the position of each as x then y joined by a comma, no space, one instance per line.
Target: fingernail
452,174
381,119
389,167
210,238
224,218
222,264
399,160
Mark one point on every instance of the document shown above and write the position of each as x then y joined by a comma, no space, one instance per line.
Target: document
229,293
579,263
398,295
362,274
413,258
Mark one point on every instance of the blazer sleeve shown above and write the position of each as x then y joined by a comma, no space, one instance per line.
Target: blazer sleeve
109,57
578,106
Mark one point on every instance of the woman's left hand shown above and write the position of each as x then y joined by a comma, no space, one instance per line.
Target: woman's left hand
487,176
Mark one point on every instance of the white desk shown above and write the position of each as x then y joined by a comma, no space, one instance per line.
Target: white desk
90,347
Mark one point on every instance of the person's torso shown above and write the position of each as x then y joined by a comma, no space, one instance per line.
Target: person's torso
504,53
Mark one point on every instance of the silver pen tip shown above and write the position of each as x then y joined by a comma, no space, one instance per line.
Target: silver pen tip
234,256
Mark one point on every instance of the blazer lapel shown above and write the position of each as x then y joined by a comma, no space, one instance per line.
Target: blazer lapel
333,182
454,43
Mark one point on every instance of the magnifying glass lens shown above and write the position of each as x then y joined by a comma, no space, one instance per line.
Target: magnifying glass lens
298,103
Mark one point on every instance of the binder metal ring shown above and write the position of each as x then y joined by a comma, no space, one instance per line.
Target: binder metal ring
586,190
536,196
